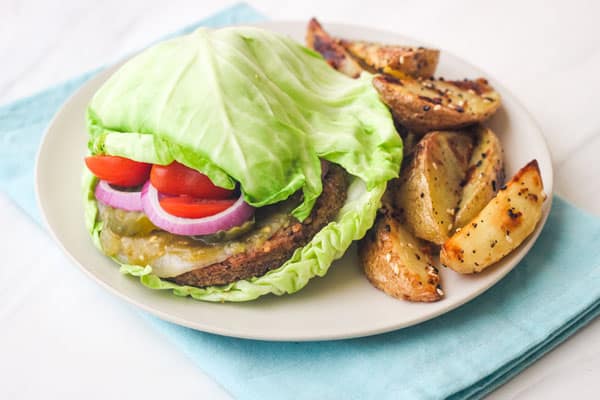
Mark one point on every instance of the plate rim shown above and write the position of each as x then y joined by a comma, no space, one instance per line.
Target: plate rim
315,337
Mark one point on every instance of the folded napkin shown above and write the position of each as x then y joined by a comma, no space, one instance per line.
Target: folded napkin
466,353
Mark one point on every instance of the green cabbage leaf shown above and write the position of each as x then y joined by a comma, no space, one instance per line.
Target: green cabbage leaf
314,259
245,105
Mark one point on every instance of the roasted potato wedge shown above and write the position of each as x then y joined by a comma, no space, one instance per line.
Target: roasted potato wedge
500,227
429,188
397,263
409,143
484,176
333,52
398,61
427,105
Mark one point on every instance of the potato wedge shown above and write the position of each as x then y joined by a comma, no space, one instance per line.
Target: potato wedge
484,176
397,263
409,142
500,227
429,189
427,105
398,61
333,52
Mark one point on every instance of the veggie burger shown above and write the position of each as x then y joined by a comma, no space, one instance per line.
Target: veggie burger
231,163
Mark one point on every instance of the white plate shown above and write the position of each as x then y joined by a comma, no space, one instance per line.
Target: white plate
342,304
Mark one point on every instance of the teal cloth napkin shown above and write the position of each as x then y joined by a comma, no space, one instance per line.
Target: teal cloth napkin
464,354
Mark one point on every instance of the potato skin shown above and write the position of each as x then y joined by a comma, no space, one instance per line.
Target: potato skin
427,105
500,227
399,264
485,176
418,62
429,188
333,52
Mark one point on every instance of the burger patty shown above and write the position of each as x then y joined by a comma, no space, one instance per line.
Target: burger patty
258,247
278,248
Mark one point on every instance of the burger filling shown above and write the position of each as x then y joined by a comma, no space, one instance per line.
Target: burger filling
252,247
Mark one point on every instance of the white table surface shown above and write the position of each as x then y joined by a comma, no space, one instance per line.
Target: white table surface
75,340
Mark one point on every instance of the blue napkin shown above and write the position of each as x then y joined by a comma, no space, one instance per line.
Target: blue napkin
464,354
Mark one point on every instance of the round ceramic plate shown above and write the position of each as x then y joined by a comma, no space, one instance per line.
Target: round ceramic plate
342,304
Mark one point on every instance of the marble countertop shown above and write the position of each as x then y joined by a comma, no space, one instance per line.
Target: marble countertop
546,53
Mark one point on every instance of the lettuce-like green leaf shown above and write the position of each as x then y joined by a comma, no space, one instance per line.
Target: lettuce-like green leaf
245,105
314,259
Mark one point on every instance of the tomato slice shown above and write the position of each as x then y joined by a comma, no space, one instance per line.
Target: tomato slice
177,179
119,171
189,207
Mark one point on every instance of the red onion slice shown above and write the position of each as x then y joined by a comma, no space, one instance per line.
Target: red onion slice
235,215
106,194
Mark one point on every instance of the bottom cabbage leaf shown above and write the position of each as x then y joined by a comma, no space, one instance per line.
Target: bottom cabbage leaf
314,259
